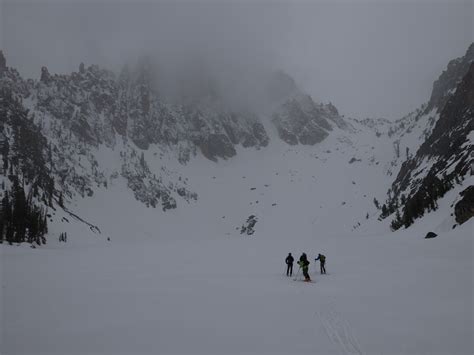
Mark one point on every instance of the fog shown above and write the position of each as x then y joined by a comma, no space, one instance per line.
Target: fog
368,58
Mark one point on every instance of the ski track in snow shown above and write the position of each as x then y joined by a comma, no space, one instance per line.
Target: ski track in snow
339,331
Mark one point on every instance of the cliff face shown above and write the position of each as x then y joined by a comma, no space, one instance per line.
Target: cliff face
444,158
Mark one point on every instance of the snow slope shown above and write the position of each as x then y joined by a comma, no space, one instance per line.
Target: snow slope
288,188
186,281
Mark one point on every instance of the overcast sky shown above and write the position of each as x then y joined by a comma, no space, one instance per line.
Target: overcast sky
370,58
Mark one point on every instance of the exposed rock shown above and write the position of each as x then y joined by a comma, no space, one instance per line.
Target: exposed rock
287,136
464,209
260,135
353,160
430,235
248,227
217,145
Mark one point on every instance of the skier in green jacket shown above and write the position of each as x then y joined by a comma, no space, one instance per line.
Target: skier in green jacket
322,262
304,265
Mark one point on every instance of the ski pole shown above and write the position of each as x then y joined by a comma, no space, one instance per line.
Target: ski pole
296,276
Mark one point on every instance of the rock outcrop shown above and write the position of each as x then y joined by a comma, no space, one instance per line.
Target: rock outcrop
464,209
299,120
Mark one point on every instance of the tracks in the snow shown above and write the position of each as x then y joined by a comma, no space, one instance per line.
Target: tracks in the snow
339,331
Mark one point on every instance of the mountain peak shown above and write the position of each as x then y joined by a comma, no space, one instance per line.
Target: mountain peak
281,86
447,82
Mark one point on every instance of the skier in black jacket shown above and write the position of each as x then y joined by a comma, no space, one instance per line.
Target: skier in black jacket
289,264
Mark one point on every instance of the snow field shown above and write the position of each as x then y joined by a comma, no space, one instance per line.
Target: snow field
384,294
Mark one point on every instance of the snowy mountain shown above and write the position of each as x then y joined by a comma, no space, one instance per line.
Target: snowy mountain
91,113
164,222
100,138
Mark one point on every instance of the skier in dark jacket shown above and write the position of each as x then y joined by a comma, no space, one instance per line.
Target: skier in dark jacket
289,264
322,262
304,265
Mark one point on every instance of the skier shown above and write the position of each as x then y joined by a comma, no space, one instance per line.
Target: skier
304,264
289,264
322,261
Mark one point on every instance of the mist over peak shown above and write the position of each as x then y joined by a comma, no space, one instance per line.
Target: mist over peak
323,45
193,79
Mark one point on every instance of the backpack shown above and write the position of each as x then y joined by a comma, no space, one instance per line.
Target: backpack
322,258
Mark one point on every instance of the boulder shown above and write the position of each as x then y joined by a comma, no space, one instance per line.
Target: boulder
430,235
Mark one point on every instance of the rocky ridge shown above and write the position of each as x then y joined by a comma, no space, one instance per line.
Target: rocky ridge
444,157
86,113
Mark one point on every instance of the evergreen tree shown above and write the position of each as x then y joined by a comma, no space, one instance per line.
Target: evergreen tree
7,218
9,234
20,213
376,203
5,148
2,223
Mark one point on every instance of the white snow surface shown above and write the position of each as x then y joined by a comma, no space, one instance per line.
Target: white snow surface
185,281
